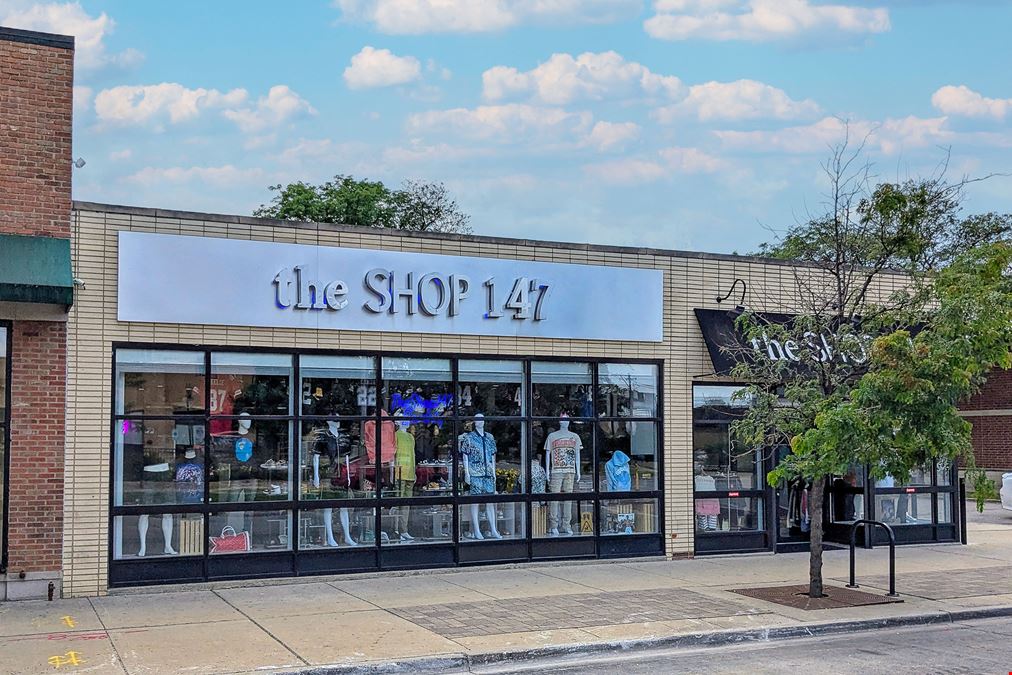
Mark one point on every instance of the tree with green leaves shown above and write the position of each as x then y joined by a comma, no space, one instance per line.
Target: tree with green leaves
417,205
901,307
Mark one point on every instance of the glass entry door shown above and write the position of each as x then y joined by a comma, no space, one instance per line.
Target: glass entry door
794,524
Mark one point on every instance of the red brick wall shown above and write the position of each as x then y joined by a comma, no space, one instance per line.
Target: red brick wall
36,104
992,441
38,398
996,394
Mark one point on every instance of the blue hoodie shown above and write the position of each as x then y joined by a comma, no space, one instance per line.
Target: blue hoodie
617,471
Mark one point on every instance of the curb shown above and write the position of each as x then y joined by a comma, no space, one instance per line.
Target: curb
466,662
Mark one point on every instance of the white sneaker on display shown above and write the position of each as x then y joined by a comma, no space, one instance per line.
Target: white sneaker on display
406,537
554,532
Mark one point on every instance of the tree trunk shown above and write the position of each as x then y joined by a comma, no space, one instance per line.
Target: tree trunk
815,499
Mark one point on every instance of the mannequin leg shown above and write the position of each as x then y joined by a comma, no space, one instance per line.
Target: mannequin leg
475,528
328,525
316,471
167,533
346,526
490,514
567,507
142,530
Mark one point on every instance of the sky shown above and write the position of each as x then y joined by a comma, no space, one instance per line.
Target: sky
682,124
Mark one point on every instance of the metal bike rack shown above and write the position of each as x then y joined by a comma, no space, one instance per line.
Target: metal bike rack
892,553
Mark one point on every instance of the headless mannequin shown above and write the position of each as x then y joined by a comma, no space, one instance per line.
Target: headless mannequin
328,514
142,521
560,485
479,427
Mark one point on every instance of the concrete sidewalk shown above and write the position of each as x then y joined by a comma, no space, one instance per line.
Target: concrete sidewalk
478,615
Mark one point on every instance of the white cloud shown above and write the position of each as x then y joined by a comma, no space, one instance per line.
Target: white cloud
141,104
760,20
626,171
69,19
891,135
478,16
739,100
589,76
691,160
279,106
612,135
508,123
217,176
965,102
120,155
380,68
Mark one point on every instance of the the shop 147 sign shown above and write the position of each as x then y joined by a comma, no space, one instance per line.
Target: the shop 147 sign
196,280
431,294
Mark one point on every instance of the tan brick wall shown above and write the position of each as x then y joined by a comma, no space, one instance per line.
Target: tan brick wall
689,282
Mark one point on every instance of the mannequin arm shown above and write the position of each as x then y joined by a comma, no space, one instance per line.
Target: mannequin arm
467,471
577,464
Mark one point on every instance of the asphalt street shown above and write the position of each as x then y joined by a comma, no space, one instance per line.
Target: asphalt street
983,646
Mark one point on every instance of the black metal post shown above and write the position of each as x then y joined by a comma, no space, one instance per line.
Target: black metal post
962,511
892,552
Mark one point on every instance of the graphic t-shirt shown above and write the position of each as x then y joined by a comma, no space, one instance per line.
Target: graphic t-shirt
562,447
224,389
190,482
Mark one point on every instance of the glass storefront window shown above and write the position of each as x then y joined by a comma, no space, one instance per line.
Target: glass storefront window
904,508
158,536
566,450
503,520
158,462
159,382
251,384
492,388
416,524
492,456
422,464
627,456
944,472
249,531
719,457
627,390
251,462
337,385
339,528
420,388
729,514
559,388
3,430
944,507
562,519
334,463
629,516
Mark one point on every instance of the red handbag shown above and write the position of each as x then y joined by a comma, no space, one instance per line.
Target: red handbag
230,542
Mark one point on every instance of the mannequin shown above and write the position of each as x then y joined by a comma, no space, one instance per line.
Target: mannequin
190,479
562,465
155,473
405,474
328,441
478,449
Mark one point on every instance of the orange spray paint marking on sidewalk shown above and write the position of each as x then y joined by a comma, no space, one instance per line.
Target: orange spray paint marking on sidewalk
68,659
69,620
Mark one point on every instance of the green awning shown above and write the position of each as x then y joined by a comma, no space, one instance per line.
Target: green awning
35,269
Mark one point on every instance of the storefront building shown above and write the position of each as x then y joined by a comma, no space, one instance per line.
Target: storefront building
191,397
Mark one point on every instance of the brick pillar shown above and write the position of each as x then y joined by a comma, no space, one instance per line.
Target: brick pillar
36,106
38,410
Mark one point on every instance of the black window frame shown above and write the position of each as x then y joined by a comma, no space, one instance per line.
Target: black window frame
296,561
5,443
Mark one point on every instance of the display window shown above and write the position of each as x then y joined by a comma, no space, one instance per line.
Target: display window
341,527
562,388
629,516
337,386
159,461
491,388
154,382
420,388
627,456
627,390
352,457
729,514
4,421
492,521
251,461
234,532
159,535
